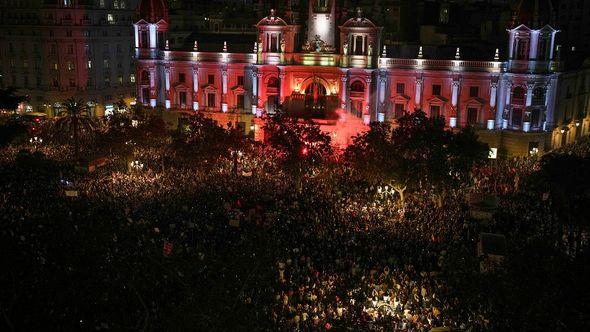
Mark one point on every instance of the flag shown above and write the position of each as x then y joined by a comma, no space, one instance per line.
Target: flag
167,249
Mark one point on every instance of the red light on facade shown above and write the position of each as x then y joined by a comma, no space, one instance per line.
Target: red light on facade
304,151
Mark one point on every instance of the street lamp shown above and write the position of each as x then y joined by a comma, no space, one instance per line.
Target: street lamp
36,140
136,165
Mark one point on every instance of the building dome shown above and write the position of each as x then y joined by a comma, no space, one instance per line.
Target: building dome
153,10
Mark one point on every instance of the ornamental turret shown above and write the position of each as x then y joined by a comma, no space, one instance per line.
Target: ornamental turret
151,29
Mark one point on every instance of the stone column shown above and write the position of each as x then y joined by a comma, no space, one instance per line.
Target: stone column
418,97
551,49
224,90
493,95
281,84
254,92
551,97
343,91
454,100
260,107
511,44
534,45
367,112
153,36
382,86
153,93
167,77
195,89
136,33
508,92
529,93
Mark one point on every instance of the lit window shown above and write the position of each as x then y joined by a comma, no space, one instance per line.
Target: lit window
116,4
67,3
110,18
106,63
89,64
132,78
120,79
101,3
55,65
71,65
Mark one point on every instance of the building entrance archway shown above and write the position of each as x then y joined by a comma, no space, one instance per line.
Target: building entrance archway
318,101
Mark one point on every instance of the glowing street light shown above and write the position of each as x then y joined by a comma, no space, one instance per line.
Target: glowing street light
136,165
36,140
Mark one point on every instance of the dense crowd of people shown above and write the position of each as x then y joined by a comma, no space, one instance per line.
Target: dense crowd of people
337,253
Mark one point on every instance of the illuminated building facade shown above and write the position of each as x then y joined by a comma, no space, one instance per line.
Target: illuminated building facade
54,49
328,72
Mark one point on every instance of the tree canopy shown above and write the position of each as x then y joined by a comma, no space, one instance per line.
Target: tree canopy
417,153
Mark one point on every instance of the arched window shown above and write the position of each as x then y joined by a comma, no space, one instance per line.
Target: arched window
316,88
544,48
357,86
521,50
518,94
143,39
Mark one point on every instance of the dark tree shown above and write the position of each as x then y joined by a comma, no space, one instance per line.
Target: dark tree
202,139
418,153
9,100
301,145
375,157
74,123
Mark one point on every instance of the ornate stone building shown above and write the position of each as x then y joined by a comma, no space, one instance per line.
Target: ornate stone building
342,78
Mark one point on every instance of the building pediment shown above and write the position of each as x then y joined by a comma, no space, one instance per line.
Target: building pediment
437,99
475,101
547,28
522,28
180,86
238,89
209,87
400,98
